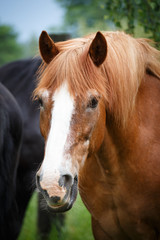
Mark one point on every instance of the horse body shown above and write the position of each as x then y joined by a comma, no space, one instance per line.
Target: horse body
10,143
20,77
126,169
100,112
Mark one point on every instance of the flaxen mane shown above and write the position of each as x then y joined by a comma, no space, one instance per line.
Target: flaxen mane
117,79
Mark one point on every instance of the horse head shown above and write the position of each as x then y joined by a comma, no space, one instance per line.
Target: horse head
72,116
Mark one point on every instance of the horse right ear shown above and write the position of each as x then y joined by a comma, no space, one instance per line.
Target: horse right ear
98,49
47,47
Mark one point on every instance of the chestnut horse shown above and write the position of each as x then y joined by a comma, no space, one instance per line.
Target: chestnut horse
100,114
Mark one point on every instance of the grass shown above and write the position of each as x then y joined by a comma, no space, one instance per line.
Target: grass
29,228
77,223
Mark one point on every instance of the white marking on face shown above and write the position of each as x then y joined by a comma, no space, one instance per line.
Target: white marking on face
44,93
61,116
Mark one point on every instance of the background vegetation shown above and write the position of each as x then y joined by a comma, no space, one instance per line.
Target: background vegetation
89,14
9,47
77,224
138,17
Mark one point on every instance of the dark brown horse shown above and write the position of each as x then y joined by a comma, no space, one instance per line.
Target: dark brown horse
10,143
100,114
19,78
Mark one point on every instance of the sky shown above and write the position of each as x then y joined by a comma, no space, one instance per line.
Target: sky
30,17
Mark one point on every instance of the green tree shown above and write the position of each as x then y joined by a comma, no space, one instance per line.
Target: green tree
83,16
113,14
30,48
146,13
10,49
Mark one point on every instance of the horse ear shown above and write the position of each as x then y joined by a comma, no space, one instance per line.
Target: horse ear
98,49
47,47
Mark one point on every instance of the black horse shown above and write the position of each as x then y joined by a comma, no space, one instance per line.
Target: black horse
10,143
20,78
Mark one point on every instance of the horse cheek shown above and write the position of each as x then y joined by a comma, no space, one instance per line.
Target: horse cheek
99,130
44,125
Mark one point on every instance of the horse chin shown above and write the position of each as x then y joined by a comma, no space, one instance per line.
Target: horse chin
69,203
59,209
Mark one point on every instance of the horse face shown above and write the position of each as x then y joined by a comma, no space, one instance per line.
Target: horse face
73,129
72,126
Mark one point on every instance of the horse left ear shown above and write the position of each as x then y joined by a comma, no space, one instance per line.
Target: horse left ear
47,47
98,49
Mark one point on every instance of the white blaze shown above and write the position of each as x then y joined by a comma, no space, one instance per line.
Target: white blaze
61,116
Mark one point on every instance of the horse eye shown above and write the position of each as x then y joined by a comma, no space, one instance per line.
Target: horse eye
40,102
93,103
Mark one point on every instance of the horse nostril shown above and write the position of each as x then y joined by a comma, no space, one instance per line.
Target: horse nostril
66,181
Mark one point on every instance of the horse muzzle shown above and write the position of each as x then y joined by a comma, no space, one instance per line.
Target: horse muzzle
59,194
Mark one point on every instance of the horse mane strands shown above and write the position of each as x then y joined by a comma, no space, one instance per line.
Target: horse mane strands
152,56
74,65
117,79
125,67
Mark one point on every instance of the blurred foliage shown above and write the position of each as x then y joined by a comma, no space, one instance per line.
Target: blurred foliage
30,48
10,49
83,16
145,13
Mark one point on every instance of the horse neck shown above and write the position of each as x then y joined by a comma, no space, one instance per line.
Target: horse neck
127,148
113,152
